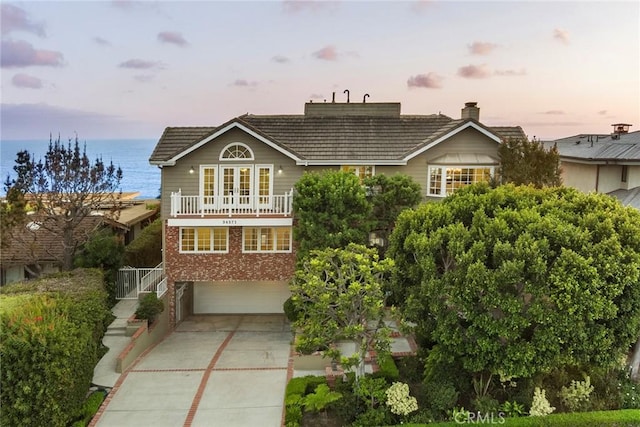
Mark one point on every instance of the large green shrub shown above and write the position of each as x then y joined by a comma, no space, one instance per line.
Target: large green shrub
50,334
516,281
146,249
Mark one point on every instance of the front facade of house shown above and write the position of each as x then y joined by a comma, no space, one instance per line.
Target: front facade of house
227,191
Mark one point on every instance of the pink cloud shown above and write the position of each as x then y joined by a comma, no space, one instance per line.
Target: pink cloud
327,53
474,72
421,5
123,4
173,38
553,112
295,6
16,19
520,72
243,83
17,54
26,81
429,81
280,59
140,64
481,48
602,112
101,41
561,35
316,96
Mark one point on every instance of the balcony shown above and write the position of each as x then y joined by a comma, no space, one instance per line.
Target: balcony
231,205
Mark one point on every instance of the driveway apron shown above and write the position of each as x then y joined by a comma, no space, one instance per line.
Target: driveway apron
213,370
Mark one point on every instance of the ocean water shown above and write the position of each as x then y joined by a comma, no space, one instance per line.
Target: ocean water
132,155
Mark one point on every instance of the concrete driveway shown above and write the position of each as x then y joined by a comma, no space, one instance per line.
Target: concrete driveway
213,370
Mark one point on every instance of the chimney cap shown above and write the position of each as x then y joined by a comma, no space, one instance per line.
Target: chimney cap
470,104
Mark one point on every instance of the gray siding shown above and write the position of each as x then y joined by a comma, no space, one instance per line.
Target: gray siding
178,176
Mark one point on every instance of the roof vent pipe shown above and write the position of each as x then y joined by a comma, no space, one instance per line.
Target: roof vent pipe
347,92
364,98
333,98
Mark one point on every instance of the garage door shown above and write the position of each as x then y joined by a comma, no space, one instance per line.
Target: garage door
239,297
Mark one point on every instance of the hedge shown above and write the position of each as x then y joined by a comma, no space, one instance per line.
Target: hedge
146,249
50,337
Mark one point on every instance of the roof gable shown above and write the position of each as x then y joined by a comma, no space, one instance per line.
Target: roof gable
449,131
204,139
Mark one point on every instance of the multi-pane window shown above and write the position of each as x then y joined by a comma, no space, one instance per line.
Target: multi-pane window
264,184
204,239
209,184
266,239
236,152
435,181
361,171
444,180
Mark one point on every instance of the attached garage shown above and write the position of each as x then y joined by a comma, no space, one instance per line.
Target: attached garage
239,297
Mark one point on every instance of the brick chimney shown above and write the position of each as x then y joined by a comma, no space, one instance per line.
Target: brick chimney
471,111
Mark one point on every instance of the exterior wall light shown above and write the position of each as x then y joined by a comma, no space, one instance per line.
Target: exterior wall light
192,170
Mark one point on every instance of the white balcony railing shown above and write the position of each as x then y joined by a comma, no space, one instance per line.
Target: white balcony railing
231,205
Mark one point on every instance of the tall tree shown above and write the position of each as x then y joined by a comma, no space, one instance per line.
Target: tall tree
516,281
524,162
339,293
331,210
63,190
389,195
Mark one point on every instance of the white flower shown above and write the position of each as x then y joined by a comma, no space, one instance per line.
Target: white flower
540,406
399,401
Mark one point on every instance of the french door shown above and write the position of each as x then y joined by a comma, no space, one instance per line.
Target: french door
235,186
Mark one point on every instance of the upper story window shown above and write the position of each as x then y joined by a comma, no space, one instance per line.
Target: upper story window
361,171
236,151
204,239
444,180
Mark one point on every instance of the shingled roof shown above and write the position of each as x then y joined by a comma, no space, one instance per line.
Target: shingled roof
330,138
37,243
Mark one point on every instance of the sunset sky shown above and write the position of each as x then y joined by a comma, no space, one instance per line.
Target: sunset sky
128,69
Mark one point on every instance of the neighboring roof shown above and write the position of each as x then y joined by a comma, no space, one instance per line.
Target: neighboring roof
331,139
621,148
628,197
137,211
35,242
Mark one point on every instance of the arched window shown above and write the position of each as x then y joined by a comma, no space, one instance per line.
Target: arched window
236,151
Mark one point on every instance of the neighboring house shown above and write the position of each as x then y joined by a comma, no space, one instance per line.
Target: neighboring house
227,190
35,250
604,163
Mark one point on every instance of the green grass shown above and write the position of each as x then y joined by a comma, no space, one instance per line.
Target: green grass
621,418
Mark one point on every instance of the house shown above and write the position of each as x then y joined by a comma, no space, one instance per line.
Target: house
604,163
36,250
227,190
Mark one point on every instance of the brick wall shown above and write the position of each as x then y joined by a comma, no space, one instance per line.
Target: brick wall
234,265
